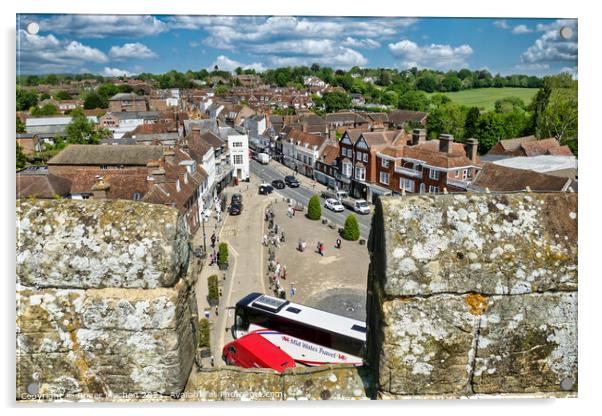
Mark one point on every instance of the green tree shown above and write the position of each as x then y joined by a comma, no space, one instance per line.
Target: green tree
46,110
62,95
509,104
351,230
94,100
472,122
26,99
222,254
82,131
448,118
335,101
204,333
427,82
413,100
559,116
314,210
21,158
20,125
52,79
106,91
490,130
44,96
212,286
452,83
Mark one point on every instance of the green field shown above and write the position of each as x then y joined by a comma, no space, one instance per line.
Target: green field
485,98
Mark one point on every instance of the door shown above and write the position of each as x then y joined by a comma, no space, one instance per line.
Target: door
422,188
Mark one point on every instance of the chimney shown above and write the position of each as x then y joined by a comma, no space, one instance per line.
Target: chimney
418,136
170,156
446,143
471,149
100,189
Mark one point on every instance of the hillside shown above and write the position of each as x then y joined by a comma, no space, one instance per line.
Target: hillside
484,98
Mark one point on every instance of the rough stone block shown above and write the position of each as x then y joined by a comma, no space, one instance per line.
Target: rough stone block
97,244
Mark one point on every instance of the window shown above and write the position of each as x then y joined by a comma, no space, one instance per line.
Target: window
236,144
238,159
360,174
384,163
365,157
433,189
384,178
104,167
434,174
358,155
347,169
464,174
406,184
137,196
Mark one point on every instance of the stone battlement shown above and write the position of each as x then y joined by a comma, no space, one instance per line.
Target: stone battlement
468,296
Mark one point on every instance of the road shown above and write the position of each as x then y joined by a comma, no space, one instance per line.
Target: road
268,173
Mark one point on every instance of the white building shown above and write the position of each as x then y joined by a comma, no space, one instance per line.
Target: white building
238,144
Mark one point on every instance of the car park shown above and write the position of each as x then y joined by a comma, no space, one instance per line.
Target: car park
334,205
278,184
291,181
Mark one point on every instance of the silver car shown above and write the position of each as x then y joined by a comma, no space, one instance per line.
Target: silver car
334,205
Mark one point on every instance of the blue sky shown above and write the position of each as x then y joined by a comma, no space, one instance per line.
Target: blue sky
117,45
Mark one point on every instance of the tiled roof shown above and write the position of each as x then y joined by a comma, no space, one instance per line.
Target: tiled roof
539,147
514,144
505,179
375,138
330,153
310,139
90,154
429,153
41,186
402,116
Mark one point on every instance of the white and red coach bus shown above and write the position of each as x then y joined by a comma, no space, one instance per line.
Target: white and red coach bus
310,336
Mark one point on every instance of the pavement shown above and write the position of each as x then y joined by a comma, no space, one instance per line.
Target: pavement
276,170
335,282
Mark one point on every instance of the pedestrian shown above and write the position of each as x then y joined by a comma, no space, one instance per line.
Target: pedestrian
293,211
283,274
322,249
212,362
293,291
303,245
213,240
318,247
277,241
277,271
282,236
220,291
214,257
276,229
216,311
299,245
338,242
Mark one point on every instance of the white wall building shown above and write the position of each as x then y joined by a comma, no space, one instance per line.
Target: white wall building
238,144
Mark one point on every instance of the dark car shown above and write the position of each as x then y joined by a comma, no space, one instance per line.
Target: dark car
278,184
235,209
265,189
291,181
236,199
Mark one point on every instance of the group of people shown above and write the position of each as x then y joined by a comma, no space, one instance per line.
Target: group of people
213,256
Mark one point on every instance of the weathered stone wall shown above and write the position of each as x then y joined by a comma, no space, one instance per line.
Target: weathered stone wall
104,304
473,294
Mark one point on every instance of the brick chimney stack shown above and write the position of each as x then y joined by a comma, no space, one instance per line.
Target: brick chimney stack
100,190
418,136
446,143
472,146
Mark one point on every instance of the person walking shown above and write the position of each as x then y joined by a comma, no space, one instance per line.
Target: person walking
303,245
299,246
277,271
282,236
275,228
338,242
216,311
283,274
318,247
213,238
322,249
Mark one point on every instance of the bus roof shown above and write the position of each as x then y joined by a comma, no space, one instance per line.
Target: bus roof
307,315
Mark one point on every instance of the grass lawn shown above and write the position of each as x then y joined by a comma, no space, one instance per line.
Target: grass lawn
485,98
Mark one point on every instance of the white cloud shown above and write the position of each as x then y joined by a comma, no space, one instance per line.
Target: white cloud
226,64
39,53
132,51
115,72
100,26
551,47
433,55
361,43
341,58
517,30
502,24
532,67
520,29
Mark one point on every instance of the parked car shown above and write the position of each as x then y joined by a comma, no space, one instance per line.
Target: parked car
278,184
263,158
334,205
291,181
235,209
338,195
358,205
236,199
265,189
